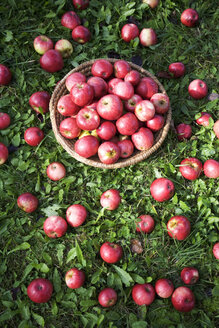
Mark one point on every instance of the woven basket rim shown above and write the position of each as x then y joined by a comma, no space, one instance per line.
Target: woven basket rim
67,144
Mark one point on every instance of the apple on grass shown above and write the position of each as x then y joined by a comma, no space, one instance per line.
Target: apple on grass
5,75
148,37
82,94
102,68
126,148
189,17
216,128
64,47
69,128
52,61
121,69
211,168
198,89
107,297
110,107
27,202
73,79
190,168
216,251
56,171
162,189
66,106
177,69
129,32
178,227
164,288
40,290
76,215
74,278
87,146
183,299
110,199
88,119
5,121
146,224
189,275
144,110
39,101
143,294
184,131
42,44
3,153
33,136
70,20
152,3
80,4
81,34
204,119
111,253
55,226
127,124
143,139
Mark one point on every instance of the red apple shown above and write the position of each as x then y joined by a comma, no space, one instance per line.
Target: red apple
183,299
5,75
177,69
124,90
216,251
106,130
198,89
143,139
69,129
162,189
156,123
74,278
127,124
88,119
100,86
121,68
102,68
152,3
108,152
146,224
80,4
82,94
76,215
184,131
93,105
40,290
107,297
55,226
3,153
146,88
148,37
143,294
66,106
87,146
112,83
126,148
110,252
216,128
211,168
110,107
190,168
164,288
33,136
161,103
110,199
178,227
42,44
51,61
64,47
189,275
204,119
40,101
81,34
27,202
56,171
129,32
189,17
5,121
132,102
73,79
144,110
133,77
70,20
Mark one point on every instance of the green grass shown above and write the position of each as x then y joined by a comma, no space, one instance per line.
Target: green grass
26,253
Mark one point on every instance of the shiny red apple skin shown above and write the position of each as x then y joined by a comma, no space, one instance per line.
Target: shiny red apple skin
198,89
164,288
70,20
102,68
190,168
66,106
146,224
3,153
110,107
27,202
216,128
112,83
162,189
107,297
82,94
81,34
143,139
108,152
69,129
40,290
106,130
111,253
211,168
40,99
143,294
124,90
133,77
178,227
64,47
33,136
204,119
74,278
216,251
146,88
129,32
127,124
76,215
144,110
183,299
80,4
132,102
55,226
56,171
152,3
51,61
121,68
87,146
5,75
189,17
42,44
73,79
148,37
156,123
100,86
184,131
189,275
110,199
177,69
88,119
5,121
161,103
126,148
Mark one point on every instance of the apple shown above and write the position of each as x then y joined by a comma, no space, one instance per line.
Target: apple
129,32
126,148
184,131
5,75
190,168
82,94
109,152
3,153
93,105
211,168
216,251
144,110
143,294
74,278
152,3
81,34
161,103
148,37
127,124
110,107
124,90
100,86
146,88
112,83
42,44
146,224
66,106
80,4
40,101
110,252
107,297
33,136
27,202
76,215
198,89
164,288
162,189
88,119
133,77
189,275
73,79
56,171
87,146
132,102
102,68
64,47
156,123
55,226
177,69
183,299
70,20
110,199
5,121
121,68
106,130
143,139
216,128
189,17
40,290
203,119
178,227
69,128
51,61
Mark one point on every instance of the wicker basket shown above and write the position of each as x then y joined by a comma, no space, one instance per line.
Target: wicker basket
68,145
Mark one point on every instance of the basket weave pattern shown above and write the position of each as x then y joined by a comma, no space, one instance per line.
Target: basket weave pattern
68,145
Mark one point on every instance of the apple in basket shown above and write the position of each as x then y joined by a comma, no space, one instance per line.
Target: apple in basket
146,88
121,68
133,77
